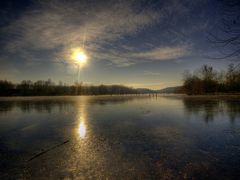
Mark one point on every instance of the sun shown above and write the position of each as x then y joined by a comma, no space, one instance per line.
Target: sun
79,56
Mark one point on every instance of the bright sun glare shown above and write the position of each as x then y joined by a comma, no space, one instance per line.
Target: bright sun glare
79,56
82,130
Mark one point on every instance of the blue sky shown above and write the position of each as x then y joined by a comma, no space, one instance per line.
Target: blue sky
135,43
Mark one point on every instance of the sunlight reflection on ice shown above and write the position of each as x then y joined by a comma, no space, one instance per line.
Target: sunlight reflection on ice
82,129
82,120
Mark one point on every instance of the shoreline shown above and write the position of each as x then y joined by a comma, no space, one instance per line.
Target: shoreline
237,95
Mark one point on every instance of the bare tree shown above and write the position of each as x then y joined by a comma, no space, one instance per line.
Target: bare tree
228,36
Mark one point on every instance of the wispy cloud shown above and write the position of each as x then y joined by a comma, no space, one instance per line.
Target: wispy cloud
150,73
60,25
54,27
126,57
164,53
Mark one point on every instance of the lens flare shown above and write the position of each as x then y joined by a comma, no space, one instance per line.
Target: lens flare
79,56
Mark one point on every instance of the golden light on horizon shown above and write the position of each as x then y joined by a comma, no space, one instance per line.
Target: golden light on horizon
79,56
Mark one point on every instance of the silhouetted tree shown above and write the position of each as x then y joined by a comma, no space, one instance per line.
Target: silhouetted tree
6,88
227,37
192,84
233,78
209,81
46,88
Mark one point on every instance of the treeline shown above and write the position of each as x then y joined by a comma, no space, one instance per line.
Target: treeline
206,80
49,88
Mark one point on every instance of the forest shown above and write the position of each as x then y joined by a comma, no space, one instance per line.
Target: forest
206,80
49,88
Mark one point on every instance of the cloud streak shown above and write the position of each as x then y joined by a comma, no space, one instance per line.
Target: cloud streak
163,53
52,28
60,25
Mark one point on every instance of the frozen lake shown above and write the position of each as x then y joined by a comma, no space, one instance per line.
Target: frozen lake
120,137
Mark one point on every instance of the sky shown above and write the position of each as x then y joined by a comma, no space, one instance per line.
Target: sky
138,43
